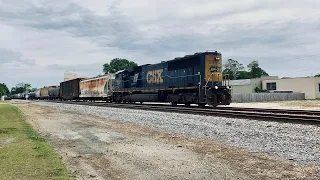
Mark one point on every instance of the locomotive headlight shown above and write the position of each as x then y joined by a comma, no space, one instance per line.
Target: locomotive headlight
216,87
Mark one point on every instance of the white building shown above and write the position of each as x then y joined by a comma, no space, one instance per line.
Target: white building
68,75
310,86
248,85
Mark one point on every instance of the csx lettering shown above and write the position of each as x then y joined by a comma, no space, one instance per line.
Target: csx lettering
155,76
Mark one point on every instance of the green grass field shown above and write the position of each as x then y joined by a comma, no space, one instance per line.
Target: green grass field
23,153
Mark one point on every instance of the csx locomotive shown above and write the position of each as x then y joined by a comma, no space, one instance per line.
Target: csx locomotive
192,79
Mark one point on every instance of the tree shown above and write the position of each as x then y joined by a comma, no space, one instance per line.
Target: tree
255,71
117,64
232,68
20,88
244,75
317,75
4,89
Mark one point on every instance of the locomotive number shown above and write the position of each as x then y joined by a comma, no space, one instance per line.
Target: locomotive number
155,76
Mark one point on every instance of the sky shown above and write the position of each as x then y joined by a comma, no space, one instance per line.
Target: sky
42,39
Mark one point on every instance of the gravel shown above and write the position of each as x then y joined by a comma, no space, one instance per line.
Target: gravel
295,142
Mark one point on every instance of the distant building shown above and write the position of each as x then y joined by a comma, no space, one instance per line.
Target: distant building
310,86
68,75
248,85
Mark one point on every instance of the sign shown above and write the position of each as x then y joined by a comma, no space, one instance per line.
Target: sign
154,77
214,69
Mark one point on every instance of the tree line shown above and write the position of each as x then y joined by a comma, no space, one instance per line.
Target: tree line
4,89
232,68
236,70
19,88
22,87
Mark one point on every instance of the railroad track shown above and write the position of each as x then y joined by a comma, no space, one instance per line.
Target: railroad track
279,115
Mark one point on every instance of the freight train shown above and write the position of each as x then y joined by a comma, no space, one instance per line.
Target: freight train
192,79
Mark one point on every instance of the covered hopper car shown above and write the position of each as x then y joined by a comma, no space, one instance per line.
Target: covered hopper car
97,88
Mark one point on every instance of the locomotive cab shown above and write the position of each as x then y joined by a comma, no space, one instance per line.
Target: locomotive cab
215,92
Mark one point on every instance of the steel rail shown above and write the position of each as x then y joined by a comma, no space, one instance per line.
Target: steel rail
278,115
273,110
270,110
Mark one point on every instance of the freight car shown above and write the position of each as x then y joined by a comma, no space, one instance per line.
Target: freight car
37,94
70,90
32,96
20,96
54,93
44,92
97,88
192,79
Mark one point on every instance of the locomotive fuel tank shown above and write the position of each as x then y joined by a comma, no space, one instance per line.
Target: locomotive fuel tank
142,98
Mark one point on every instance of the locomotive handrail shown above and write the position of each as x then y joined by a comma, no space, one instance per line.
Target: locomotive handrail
205,87
181,76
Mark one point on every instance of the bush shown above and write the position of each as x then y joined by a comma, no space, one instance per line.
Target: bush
258,90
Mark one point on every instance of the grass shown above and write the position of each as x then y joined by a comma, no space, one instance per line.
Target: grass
24,154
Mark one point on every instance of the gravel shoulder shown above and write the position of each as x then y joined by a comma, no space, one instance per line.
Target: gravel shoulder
109,143
302,104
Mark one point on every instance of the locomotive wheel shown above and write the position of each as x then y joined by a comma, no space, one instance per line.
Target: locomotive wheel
215,101
174,103
202,104
225,98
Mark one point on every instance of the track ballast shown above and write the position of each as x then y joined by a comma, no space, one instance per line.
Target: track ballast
278,115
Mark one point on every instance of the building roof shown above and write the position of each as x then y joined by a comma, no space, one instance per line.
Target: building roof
240,82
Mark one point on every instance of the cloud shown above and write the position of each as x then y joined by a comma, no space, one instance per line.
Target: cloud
82,35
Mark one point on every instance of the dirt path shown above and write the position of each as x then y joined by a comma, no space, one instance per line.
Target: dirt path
97,148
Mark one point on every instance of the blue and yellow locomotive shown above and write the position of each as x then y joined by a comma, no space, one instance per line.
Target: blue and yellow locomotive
192,79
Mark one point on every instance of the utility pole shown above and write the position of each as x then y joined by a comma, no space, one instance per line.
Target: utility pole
25,86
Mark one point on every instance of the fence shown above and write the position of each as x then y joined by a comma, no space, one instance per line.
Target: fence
266,97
